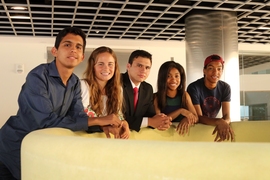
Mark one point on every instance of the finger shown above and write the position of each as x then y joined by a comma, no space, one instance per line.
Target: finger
217,137
124,136
219,140
215,130
162,128
182,130
121,124
194,120
177,128
116,136
228,135
232,135
107,135
116,133
127,136
187,129
223,136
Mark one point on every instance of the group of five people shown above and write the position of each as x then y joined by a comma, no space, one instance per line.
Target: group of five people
105,100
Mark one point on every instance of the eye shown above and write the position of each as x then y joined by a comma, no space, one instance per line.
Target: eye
79,47
148,67
139,65
111,64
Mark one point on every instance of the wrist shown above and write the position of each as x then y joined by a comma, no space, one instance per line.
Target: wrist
219,121
149,122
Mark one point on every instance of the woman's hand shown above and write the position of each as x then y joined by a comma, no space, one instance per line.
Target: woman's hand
192,119
120,132
111,130
114,121
183,126
124,130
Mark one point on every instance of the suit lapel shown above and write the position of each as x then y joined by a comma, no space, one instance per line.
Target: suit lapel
129,90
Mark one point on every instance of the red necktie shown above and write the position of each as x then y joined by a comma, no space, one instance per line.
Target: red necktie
135,90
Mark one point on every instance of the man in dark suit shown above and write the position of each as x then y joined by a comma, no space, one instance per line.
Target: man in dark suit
140,112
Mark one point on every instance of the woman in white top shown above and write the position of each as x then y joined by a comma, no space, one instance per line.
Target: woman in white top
102,90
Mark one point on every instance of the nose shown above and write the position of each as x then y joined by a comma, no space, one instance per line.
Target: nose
143,69
73,49
214,70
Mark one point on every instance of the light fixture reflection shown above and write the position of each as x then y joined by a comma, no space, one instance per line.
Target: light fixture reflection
20,17
18,8
264,28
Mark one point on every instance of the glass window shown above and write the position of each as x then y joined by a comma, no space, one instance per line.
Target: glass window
254,71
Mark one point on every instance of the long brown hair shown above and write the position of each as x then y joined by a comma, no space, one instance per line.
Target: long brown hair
113,87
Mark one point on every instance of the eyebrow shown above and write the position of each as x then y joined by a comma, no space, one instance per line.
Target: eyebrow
68,41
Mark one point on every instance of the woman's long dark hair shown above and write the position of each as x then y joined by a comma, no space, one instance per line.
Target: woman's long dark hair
162,83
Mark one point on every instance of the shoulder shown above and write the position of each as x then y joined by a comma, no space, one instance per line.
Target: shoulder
223,84
146,85
124,78
40,72
40,68
196,84
84,84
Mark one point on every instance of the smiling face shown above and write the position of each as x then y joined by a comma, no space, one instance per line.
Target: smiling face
104,67
173,79
212,73
69,53
139,70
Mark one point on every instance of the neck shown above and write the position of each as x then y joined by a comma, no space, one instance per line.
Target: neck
210,85
64,72
101,86
171,93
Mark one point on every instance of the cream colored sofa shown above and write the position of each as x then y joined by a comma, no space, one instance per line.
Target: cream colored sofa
56,154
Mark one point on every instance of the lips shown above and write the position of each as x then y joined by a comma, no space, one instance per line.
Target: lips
141,76
105,74
214,77
173,84
72,57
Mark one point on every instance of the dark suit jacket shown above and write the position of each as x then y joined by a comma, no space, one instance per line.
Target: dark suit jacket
145,105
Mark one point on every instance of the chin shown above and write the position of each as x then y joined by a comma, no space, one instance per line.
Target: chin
70,67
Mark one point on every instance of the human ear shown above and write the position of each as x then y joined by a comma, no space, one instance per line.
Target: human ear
54,51
128,65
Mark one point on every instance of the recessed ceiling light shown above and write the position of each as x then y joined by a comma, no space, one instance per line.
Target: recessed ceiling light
264,28
20,17
18,8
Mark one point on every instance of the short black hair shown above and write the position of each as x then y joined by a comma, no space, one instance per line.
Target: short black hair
139,53
70,30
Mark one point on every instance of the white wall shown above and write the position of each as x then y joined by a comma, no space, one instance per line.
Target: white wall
32,51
